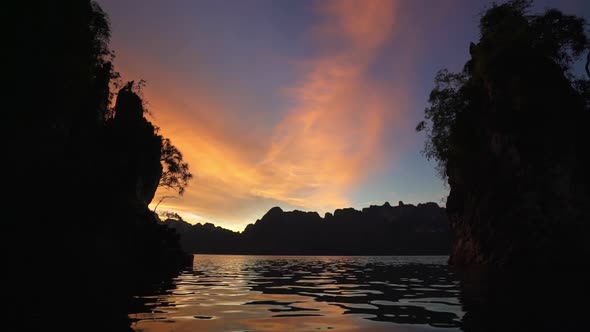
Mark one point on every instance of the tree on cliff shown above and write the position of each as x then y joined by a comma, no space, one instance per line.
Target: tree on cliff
146,159
175,174
509,135
506,31
72,152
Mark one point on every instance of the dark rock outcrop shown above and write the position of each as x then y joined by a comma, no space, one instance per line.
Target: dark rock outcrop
87,179
519,178
135,148
376,230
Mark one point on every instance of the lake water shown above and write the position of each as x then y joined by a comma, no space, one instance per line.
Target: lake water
352,293
307,293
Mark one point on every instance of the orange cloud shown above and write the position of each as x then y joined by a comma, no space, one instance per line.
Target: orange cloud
313,157
332,137
366,25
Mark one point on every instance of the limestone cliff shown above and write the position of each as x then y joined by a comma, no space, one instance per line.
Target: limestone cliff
519,161
135,146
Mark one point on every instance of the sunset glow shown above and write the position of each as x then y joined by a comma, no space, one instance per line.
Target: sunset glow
306,105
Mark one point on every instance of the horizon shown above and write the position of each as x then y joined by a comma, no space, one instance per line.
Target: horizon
305,105
163,218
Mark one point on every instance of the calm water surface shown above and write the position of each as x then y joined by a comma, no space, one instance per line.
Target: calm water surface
307,293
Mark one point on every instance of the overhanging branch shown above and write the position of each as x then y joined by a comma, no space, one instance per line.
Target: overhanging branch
161,199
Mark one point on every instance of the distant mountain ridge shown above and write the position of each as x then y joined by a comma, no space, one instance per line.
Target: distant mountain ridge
405,229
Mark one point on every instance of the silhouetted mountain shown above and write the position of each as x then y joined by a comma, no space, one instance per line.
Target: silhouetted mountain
510,133
376,230
205,238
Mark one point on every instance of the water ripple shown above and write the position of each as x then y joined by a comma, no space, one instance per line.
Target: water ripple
270,293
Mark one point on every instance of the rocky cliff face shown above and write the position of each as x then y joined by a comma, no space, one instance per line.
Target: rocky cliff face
136,148
87,182
520,188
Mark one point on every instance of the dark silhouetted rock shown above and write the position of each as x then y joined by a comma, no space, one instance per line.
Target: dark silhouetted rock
376,230
523,196
89,177
510,132
135,148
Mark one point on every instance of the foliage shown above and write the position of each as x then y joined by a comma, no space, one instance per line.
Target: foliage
106,78
172,215
447,99
175,174
100,29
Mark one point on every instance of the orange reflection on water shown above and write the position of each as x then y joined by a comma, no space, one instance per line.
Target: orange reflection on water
307,293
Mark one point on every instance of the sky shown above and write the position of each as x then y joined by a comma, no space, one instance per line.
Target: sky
307,105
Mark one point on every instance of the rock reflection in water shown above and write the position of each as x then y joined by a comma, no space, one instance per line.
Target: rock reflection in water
274,293
552,298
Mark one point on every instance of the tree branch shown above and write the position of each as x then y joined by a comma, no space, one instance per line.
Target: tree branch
160,201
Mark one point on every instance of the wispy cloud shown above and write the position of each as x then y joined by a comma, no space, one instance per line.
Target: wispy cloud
331,138
325,144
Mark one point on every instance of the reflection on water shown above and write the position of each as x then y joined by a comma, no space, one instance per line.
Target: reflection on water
275,293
